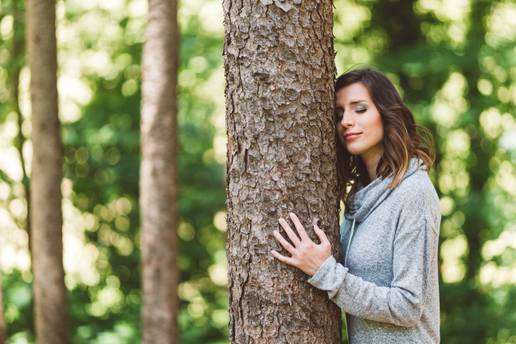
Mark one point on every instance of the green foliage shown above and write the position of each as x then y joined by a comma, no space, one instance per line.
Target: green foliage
452,63
454,67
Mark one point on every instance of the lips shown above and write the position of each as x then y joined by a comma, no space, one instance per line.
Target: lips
350,136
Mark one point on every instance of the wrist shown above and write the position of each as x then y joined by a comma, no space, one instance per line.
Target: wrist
318,268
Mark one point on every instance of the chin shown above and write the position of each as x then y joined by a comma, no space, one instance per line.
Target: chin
355,150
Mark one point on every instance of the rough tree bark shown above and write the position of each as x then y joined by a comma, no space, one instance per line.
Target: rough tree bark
52,322
279,69
158,174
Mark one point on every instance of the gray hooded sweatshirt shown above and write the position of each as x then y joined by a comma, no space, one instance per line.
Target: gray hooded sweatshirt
387,282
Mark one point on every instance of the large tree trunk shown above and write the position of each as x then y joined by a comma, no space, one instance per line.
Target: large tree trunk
158,174
279,68
52,323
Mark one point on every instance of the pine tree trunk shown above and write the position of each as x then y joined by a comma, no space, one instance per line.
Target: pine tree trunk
279,69
52,323
158,175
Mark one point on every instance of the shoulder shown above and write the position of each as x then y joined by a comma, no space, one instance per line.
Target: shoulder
417,195
417,188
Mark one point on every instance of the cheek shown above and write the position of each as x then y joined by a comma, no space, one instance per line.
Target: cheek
376,127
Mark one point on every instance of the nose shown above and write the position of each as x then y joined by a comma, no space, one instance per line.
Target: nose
346,121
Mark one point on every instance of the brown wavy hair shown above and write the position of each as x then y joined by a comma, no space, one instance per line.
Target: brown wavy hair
402,139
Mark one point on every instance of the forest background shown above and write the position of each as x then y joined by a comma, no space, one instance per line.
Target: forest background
453,61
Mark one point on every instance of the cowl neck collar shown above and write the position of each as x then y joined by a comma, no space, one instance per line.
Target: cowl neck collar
368,197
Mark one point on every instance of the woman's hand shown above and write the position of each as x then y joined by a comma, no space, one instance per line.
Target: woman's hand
306,255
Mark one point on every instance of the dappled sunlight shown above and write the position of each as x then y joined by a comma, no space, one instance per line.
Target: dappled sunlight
449,101
219,220
210,12
79,257
501,24
506,178
186,231
453,19
495,276
452,251
462,89
107,298
219,148
451,226
218,274
349,19
454,178
492,123
447,205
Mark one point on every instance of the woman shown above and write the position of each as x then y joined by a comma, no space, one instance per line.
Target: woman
387,282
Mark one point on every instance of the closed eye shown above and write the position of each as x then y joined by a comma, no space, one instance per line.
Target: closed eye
339,112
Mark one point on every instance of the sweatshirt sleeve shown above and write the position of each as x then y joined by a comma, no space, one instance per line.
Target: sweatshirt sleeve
399,304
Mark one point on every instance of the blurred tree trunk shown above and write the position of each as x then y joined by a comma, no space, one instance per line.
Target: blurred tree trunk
13,66
158,183
17,61
279,69
476,224
52,323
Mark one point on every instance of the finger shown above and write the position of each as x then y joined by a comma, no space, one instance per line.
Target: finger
293,237
299,227
281,258
284,242
322,236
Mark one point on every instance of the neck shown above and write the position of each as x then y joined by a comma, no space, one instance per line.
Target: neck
371,159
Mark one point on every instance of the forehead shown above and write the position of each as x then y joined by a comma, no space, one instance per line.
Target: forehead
353,92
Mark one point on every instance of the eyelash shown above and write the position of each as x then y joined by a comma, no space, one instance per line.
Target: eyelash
340,112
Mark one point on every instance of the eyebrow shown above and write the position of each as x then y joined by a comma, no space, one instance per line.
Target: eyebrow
358,101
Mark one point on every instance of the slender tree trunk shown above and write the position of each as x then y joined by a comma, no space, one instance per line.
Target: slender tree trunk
14,66
52,323
476,224
279,69
17,60
158,173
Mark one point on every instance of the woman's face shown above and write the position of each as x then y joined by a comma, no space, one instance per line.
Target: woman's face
358,114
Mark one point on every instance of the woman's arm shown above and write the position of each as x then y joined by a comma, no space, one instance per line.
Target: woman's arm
399,304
